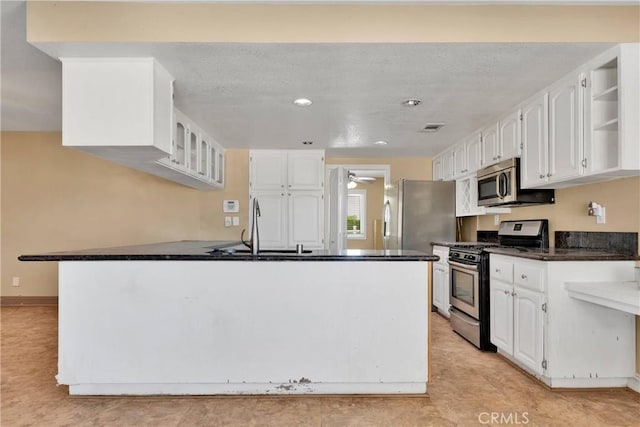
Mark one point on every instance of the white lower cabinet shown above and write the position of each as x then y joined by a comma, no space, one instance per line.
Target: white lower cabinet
501,322
528,327
305,218
290,218
562,341
440,280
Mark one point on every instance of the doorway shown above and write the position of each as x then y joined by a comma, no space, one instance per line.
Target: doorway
363,193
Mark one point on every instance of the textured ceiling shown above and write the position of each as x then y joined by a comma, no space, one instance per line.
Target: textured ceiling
241,93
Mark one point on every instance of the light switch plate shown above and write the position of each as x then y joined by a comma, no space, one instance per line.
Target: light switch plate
227,221
236,221
230,206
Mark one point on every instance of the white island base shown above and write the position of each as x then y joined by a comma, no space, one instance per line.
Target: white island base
243,327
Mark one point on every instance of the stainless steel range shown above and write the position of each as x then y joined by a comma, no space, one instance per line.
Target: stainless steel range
469,278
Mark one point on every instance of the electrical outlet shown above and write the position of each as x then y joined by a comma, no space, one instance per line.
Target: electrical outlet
227,221
15,281
496,219
236,221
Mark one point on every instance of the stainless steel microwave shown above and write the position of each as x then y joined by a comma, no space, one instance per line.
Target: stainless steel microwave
499,185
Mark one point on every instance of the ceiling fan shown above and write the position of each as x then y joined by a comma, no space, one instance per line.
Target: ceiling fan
354,180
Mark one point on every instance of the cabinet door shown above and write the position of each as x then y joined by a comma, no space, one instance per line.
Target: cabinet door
272,222
564,137
178,153
268,170
535,140
192,151
459,160
438,170
305,170
437,286
510,136
447,163
501,315
528,328
306,218
490,145
474,152
203,157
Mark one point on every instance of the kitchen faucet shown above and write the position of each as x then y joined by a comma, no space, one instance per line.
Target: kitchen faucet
254,237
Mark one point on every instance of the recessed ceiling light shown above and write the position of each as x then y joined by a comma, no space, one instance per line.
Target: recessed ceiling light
413,102
307,142
302,102
380,142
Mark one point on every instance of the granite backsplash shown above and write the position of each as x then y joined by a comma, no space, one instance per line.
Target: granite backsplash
623,243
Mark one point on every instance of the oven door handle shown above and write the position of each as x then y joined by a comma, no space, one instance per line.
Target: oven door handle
463,266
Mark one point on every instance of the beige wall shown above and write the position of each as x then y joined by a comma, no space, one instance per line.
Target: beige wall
620,197
56,199
401,167
98,21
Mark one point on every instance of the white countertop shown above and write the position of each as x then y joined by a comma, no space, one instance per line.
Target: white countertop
622,296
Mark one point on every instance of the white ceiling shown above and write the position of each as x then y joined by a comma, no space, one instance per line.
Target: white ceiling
241,93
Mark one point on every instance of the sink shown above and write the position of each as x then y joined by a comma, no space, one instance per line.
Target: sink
231,251
274,251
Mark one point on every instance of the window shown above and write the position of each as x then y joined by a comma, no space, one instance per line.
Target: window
357,215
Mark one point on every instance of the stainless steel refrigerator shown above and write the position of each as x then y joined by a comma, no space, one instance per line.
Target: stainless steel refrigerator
417,213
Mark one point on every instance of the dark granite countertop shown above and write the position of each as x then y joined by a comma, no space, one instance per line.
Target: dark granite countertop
201,250
563,254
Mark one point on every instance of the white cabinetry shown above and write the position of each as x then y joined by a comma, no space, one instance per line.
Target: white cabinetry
563,341
612,107
438,168
196,160
467,156
289,187
516,313
117,102
565,150
440,280
535,142
459,153
121,109
593,127
467,199
447,165
501,141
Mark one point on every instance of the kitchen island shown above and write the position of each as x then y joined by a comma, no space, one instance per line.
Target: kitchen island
193,318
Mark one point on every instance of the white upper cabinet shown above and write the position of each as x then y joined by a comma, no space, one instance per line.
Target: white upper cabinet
611,102
447,165
268,170
305,170
117,102
509,137
459,159
286,169
438,168
535,142
565,149
473,146
490,143
501,141
121,109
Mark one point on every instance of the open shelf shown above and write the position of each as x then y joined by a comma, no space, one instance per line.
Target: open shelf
610,94
608,125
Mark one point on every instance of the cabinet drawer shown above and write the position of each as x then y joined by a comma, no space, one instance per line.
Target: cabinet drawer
501,269
528,276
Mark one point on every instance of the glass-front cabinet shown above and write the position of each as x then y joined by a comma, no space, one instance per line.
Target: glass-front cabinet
196,159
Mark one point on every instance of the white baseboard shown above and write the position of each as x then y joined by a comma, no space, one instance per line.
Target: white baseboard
634,383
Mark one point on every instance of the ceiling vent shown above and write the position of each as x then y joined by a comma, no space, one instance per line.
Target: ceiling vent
432,127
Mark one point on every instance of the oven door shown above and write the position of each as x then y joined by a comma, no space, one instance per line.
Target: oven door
497,188
464,286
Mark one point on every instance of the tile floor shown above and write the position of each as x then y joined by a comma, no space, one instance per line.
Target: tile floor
466,386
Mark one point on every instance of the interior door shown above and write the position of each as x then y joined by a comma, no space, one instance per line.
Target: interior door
337,208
